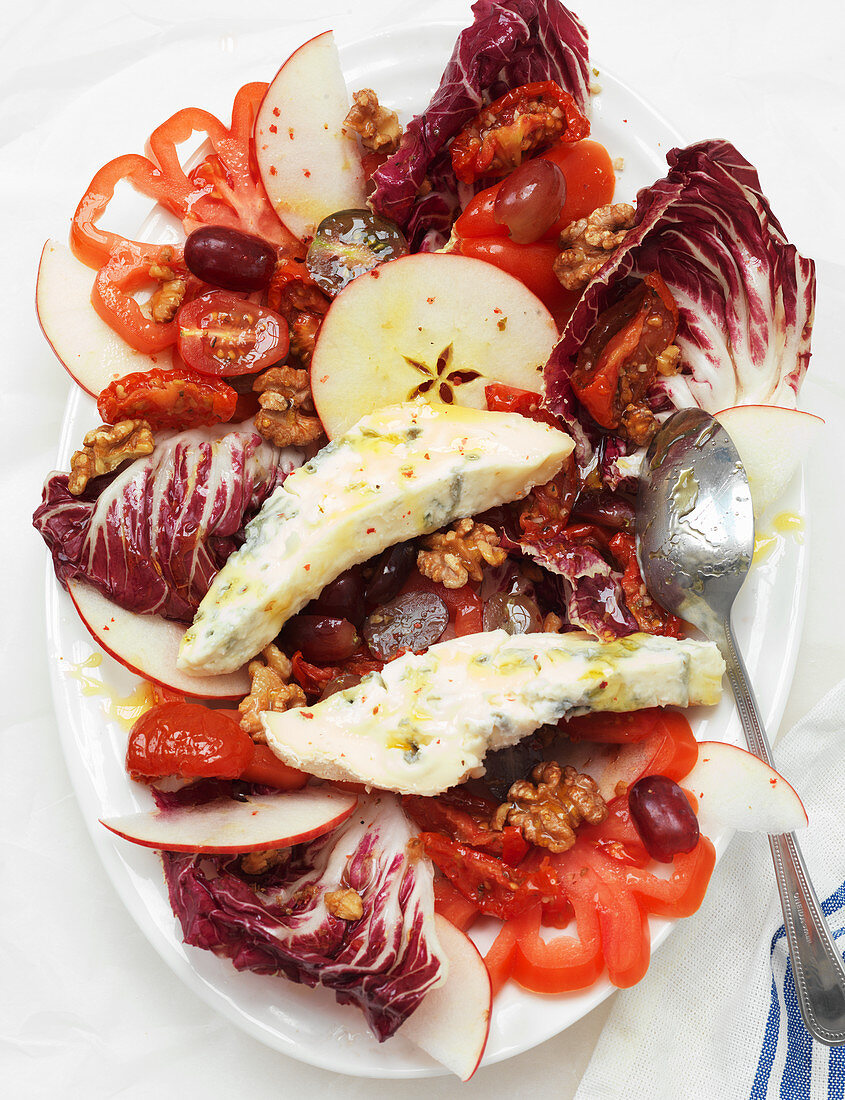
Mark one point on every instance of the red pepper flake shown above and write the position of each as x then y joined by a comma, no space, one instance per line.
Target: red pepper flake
773,782
272,169
602,685
375,274
426,455
307,173
430,301
325,125
497,310
371,530
307,566
254,812
290,132
306,714
276,112
273,128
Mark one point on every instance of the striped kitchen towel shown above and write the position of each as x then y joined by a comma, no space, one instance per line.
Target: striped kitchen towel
716,1017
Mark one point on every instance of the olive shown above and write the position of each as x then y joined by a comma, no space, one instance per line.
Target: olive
349,243
228,258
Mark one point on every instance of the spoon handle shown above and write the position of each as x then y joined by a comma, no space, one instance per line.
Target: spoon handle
817,966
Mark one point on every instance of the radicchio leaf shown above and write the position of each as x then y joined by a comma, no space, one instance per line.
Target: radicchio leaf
278,923
510,42
745,295
591,589
153,536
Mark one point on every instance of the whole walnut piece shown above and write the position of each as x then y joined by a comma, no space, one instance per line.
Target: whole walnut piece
165,300
271,689
548,810
287,417
587,242
377,127
455,556
107,447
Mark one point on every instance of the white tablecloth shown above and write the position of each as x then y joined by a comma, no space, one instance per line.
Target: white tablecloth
88,1009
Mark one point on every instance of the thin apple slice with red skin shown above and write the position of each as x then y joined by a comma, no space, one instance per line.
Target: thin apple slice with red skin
737,790
91,353
432,325
309,166
453,1021
227,826
771,442
148,646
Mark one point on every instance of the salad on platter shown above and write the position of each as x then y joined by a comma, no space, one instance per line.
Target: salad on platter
359,508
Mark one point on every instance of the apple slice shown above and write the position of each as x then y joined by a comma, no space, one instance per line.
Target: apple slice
432,324
309,166
148,645
87,348
771,442
453,1021
227,826
736,790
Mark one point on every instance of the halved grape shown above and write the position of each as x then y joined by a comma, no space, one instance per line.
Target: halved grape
663,817
349,243
411,622
514,613
320,638
530,200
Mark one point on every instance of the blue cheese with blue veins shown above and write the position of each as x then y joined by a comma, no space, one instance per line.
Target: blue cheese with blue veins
426,722
403,471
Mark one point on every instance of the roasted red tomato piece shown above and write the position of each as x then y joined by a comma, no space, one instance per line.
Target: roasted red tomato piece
187,740
222,334
651,617
519,123
621,356
168,400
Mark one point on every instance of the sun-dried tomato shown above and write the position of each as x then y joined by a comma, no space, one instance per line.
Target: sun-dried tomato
617,362
520,123
651,617
175,399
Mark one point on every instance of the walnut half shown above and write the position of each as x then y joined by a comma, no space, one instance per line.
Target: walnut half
271,689
549,809
345,903
377,127
588,242
107,447
455,556
287,417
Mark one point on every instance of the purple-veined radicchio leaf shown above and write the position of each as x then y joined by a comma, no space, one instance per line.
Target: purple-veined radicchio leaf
278,923
510,42
152,536
745,295
592,593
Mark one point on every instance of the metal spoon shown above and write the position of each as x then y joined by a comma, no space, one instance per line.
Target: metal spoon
696,539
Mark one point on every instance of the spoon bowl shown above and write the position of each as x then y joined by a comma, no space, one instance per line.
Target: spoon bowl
695,527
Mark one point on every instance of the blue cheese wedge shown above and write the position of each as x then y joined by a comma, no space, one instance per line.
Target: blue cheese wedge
425,722
403,471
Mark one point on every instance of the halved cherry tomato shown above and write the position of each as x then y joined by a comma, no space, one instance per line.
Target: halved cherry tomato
223,334
187,740
504,398
590,182
168,399
514,126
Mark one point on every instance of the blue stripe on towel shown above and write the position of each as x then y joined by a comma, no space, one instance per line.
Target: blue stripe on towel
796,1080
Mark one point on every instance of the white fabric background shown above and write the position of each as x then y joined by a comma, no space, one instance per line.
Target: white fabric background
88,1009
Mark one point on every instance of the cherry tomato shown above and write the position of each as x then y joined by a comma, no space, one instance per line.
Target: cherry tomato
222,334
651,617
187,740
168,400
